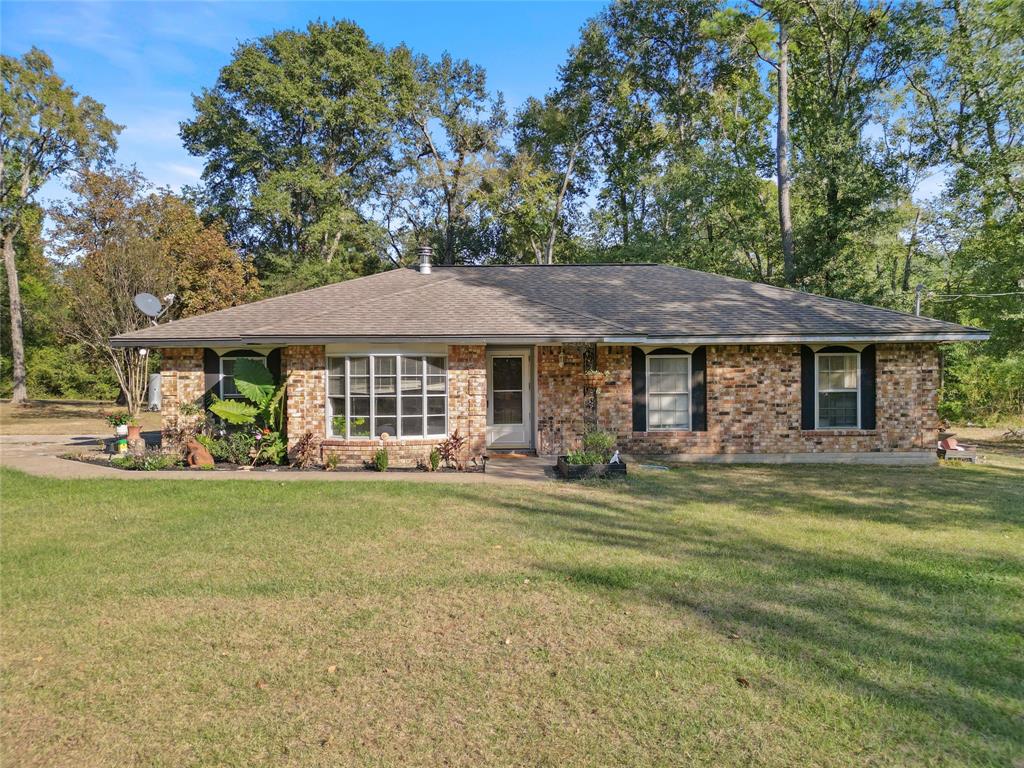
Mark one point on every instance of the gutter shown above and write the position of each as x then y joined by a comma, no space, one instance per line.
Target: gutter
238,341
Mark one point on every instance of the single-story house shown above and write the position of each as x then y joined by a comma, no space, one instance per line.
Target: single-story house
675,363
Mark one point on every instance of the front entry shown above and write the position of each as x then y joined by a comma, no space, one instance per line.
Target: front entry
509,399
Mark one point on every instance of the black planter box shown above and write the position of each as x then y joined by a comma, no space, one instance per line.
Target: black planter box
580,471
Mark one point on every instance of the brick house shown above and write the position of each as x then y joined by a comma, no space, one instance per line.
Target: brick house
675,363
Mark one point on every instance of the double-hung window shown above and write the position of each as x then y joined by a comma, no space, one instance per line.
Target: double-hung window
228,390
837,399
668,392
402,395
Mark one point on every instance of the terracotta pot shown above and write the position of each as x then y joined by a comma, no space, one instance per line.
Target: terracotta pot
134,432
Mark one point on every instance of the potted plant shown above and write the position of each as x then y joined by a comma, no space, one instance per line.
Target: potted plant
134,430
120,421
597,458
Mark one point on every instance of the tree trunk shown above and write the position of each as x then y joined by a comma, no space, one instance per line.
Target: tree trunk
20,394
549,250
908,262
782,159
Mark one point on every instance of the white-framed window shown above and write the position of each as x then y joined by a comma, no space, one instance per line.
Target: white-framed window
228,390
668,392
402,395
837,390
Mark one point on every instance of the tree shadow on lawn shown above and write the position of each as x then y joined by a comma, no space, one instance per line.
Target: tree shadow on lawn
889,610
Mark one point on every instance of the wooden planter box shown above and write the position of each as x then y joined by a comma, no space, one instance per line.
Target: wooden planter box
579,471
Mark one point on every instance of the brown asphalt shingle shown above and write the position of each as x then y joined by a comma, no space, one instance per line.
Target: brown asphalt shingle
576,302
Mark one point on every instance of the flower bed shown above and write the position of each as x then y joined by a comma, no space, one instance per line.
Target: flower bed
568,471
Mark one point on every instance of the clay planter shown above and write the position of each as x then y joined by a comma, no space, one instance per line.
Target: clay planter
134,432
568,471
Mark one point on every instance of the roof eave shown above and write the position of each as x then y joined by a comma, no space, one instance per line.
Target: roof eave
246,341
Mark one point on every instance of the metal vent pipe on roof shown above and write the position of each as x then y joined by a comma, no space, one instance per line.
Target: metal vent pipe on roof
425,252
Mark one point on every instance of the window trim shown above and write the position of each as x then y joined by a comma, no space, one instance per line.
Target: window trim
220,367
688,393
371,393
817,391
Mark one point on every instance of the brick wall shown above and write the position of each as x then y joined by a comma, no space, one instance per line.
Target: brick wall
560,390
182,382
753,404
306,396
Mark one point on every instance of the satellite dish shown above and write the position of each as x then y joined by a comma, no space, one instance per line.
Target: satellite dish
148,304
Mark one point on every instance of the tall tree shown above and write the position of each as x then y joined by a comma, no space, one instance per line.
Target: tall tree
298,140
46,130
451,138
119,238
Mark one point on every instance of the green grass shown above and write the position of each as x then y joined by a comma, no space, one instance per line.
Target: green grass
776,616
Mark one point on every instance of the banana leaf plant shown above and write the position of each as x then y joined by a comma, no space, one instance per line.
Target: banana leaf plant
263,399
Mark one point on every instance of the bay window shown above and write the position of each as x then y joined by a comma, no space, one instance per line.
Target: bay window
837,396
402,395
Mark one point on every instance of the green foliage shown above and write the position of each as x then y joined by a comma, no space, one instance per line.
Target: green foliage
599,443
297,136
235,411
150,461
434,460
983,388
380,460
271,448
233,448
585,457
255,382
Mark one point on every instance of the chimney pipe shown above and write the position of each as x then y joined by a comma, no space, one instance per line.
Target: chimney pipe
425,252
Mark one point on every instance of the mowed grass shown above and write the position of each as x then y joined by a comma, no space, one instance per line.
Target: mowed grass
771,616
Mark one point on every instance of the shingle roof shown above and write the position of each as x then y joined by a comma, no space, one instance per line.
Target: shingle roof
588,302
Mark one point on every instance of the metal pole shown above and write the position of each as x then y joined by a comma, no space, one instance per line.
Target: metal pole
918,289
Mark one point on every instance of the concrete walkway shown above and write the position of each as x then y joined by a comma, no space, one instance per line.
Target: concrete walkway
40,455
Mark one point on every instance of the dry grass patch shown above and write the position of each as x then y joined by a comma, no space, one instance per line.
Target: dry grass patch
55,417
710,615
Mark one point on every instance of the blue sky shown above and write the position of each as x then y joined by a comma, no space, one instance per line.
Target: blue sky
145,60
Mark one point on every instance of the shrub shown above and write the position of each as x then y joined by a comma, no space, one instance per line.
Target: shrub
450,449
271,448
149,461
306,452
585,457
598,443
380,460
435,459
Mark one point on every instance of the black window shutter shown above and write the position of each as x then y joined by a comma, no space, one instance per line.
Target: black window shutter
699,389
639,390
867,387
211,369
806,388
274,364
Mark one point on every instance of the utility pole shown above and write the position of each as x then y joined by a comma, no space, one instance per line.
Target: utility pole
918,290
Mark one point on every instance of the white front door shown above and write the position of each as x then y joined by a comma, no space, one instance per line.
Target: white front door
509,401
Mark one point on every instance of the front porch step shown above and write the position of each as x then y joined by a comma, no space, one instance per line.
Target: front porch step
497,453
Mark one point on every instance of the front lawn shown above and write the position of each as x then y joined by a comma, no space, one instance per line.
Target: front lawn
775,616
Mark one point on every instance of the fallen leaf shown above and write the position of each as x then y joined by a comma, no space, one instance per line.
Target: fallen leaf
261,685
508,641
744,683
733,635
